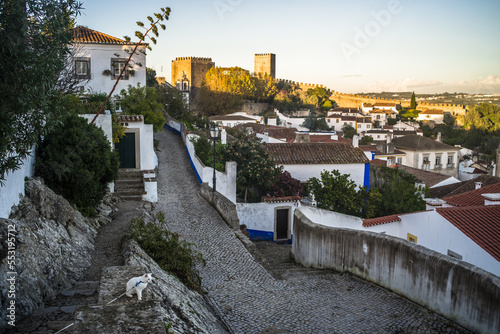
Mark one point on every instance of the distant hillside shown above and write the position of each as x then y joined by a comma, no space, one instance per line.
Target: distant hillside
452,98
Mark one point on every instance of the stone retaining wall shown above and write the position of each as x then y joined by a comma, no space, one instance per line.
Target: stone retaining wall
459,291
224,206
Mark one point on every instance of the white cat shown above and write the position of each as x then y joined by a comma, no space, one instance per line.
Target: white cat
137,284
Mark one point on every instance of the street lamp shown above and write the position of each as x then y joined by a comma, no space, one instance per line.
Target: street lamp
214,134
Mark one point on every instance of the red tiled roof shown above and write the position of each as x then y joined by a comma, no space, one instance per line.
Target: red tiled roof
381,220
429,178
378,162
231,118
273,131
472,197
461,187
416,143
480,223
328,139
89,36
315,153
131,118
281,199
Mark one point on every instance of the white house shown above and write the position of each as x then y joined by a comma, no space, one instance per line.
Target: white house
99,58
232,120
136,151
463,233
271,219
427,154
436,116
306,160
386,106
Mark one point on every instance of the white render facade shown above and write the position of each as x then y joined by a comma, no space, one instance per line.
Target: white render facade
442,161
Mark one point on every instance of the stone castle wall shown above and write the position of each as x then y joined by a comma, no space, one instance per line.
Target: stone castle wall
265,63
195,69
356,100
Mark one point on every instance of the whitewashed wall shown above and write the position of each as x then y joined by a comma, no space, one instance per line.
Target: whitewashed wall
225,182
431,229
260,217
100,60
13,186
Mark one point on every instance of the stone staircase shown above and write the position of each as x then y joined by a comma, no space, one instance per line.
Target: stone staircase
85,307
130,185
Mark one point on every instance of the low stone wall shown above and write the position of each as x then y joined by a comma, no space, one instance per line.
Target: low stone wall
459,291
224,206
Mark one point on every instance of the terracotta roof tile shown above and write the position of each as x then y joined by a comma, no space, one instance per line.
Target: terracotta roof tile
315,153
461,187
472,197
278,132
416,143
231,118
479,223
381,220
89,36
388,104
281,199
131,118
429,178
328,139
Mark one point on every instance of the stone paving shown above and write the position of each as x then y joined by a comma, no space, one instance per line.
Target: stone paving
295,300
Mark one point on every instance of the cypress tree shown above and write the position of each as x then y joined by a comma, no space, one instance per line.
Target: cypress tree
413,103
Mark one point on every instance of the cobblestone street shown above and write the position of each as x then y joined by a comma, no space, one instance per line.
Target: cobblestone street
285,298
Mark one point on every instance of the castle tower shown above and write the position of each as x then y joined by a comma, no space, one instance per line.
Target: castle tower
265,63
190,72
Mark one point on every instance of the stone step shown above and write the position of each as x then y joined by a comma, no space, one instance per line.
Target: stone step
138,317
129,174
130,197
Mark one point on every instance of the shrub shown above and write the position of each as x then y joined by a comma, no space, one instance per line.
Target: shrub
172,254
76,161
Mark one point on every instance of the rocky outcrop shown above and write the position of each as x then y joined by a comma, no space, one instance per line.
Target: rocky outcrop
50,243
183,310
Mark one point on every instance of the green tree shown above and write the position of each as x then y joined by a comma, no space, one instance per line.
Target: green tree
34,38
366,140
398,190
348,131
153,28
413,102
448,119
143,101
287,98
173,102
257,173
320,96
336,192
315,123
151,78
76,161
485,116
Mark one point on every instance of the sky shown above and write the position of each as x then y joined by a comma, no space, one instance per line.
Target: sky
358,46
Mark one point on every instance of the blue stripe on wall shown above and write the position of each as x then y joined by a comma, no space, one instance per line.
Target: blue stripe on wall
168,127
260,235
367,176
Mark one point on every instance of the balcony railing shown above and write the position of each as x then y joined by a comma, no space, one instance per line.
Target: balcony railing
438,166
451,166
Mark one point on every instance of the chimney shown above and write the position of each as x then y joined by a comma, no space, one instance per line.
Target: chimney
223,136
478,185
382,147
355,141
433,203
302,137
491,199
438,137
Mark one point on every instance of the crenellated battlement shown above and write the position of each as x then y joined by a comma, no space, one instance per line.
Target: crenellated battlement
263,54
204,59
356,100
